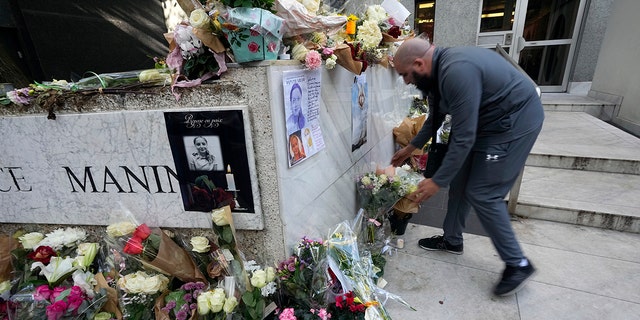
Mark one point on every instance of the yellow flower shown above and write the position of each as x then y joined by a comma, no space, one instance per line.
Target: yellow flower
203,303
271,274
352,17
154,75
5,286
216,300
103,316
299,52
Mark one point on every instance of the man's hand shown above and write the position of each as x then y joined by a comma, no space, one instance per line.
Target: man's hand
401,155
426,189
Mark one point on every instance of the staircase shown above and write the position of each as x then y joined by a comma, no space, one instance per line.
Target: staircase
582,170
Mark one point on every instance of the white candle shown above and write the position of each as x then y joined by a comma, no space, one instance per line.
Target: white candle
231,182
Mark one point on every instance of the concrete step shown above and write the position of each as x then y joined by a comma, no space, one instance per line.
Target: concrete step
583,171
589,198
577,140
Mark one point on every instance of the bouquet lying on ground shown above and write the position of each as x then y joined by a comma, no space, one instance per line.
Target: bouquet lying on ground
303,283
153,249
353,277
55,277
138,293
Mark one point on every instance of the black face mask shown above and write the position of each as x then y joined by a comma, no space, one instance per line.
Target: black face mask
424,83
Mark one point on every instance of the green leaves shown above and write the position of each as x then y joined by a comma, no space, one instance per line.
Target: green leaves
200,65
253,304
262,4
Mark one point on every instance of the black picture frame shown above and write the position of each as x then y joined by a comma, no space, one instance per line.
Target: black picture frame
206,189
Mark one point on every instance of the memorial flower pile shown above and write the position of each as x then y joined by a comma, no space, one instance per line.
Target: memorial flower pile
322,279
53,277
365,40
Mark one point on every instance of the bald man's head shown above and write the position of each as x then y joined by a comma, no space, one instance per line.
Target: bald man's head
410,50
413,60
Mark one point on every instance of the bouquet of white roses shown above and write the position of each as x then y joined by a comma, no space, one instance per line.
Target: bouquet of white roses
263,286
215,304
138,293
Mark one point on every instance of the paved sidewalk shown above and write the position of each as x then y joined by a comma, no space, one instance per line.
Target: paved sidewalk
583,273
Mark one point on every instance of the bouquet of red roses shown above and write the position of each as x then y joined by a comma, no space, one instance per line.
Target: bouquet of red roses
154,249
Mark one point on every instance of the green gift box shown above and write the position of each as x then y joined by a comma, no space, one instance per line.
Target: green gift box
254,34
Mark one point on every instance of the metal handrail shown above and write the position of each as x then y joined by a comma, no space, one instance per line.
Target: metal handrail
515,190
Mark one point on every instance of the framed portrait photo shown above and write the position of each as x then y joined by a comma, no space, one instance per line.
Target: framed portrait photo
213,154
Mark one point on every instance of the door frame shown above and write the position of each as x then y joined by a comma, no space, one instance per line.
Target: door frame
514,42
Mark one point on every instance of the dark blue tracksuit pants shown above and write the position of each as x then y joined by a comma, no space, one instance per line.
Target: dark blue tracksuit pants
483,182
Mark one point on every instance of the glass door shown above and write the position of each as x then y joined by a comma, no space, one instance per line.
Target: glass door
540,35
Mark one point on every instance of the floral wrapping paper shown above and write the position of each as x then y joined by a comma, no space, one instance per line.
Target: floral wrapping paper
254,34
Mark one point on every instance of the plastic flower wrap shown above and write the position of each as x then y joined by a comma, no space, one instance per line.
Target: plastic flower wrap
263,285
351,271
223,227
101,81
153,249
380,191
354,276
302,277
139,291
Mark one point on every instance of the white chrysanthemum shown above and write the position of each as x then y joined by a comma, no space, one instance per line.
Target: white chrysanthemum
369,34
269,289
60,238
376,13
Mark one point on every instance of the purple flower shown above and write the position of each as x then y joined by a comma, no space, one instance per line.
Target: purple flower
19,96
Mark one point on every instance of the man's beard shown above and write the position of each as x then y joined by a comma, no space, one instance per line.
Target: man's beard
424,83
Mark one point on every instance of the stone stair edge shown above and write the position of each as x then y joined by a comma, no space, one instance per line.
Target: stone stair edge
611,221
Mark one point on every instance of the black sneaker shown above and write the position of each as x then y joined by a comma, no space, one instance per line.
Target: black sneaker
438,243
513,279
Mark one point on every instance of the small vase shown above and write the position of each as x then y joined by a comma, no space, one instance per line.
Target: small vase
399,223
